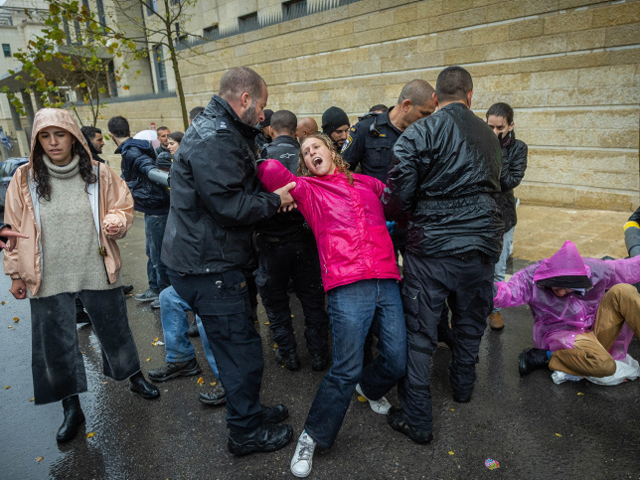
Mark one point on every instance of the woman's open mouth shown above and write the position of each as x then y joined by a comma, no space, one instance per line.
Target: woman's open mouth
317,161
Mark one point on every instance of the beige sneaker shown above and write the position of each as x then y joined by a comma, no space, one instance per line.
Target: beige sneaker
303,456
495,321
381,406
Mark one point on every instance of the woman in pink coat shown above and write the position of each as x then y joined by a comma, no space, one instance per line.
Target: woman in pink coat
585,311
360,276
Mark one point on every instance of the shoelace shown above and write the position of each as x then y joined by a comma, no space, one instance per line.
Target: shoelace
305,450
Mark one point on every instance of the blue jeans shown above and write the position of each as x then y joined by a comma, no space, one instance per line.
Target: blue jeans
353,310
175,325
501,266
154,226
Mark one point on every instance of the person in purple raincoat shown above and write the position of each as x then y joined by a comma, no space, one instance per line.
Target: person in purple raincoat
585,311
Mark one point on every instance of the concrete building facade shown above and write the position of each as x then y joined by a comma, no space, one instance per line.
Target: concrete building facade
570,69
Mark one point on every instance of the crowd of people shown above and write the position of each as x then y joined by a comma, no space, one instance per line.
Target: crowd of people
394,231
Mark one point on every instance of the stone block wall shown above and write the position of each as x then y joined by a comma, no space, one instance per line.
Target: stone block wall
570,69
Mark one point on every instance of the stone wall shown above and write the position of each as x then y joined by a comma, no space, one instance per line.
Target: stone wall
570,69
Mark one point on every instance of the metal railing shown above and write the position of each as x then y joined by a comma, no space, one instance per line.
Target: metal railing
291,12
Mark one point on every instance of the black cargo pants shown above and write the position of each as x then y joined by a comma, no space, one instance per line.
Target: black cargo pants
467,286
295,259
222,302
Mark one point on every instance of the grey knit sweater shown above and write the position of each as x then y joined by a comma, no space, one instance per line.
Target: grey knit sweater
70,257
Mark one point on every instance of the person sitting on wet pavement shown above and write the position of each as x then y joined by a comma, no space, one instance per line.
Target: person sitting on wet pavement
585,312
360,275
335,124
82,207
181,356
514,163
215,204
287,251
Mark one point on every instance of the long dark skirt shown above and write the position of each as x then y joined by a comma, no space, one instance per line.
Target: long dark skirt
57,364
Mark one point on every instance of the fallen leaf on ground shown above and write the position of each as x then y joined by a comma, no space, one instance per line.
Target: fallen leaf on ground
39,459
155,339
580,393
104,383
453,409
275,345
267,323
148,359
361,399
451,452
291,316
15,319
90,434
32,399
201,381
3,302
213,383
7,387
558,435
154,343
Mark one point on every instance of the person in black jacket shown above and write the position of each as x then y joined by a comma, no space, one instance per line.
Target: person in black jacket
163,138
445,181
150,198
95,140
514,164
215,202
287,251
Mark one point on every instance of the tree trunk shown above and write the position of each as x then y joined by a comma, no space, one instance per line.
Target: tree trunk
176,71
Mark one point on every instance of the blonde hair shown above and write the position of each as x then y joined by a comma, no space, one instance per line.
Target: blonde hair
338,161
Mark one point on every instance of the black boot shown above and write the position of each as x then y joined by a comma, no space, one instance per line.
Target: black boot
396,420
193,329
73,418
319,362
267,437
138,384
275,414
290,361
531,360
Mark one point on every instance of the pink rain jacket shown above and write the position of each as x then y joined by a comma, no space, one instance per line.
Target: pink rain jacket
347,221
557,320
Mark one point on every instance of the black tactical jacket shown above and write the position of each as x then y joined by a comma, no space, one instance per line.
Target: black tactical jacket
370,144
286,150
514,163
214,195
446,179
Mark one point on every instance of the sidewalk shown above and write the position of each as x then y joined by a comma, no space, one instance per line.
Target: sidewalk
541,231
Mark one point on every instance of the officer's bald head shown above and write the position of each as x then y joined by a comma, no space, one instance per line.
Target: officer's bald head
418,91
307,126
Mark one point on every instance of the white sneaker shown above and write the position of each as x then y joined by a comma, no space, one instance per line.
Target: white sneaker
303,456
381,406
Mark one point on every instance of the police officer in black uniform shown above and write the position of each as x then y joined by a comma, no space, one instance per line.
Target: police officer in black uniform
263,137
371,140
215,204
370,145
287,251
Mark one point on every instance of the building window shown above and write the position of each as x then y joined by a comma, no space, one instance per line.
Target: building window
294,9
211,33
152,7
102,18
248,22
6,48
67,31
76,27
161,72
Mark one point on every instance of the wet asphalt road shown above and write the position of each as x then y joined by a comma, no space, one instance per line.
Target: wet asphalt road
533,428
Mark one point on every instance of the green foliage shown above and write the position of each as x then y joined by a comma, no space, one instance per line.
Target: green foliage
84,62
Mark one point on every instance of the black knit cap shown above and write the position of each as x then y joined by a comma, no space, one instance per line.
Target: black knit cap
333,119
267,118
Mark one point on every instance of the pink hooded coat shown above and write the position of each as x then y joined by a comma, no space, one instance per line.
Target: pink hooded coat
557,320
347,221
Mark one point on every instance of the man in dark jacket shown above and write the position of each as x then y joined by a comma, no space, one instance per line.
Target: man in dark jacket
445,180
95,140
214,206
514,163
163,138
335,124
150,198
287,250
264,137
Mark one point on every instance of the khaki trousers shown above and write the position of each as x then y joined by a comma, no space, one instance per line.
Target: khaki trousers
590,353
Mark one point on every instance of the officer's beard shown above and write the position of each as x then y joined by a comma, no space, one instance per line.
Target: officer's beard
249,115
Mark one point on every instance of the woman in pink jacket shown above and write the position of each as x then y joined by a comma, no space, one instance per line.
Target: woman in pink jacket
360,276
